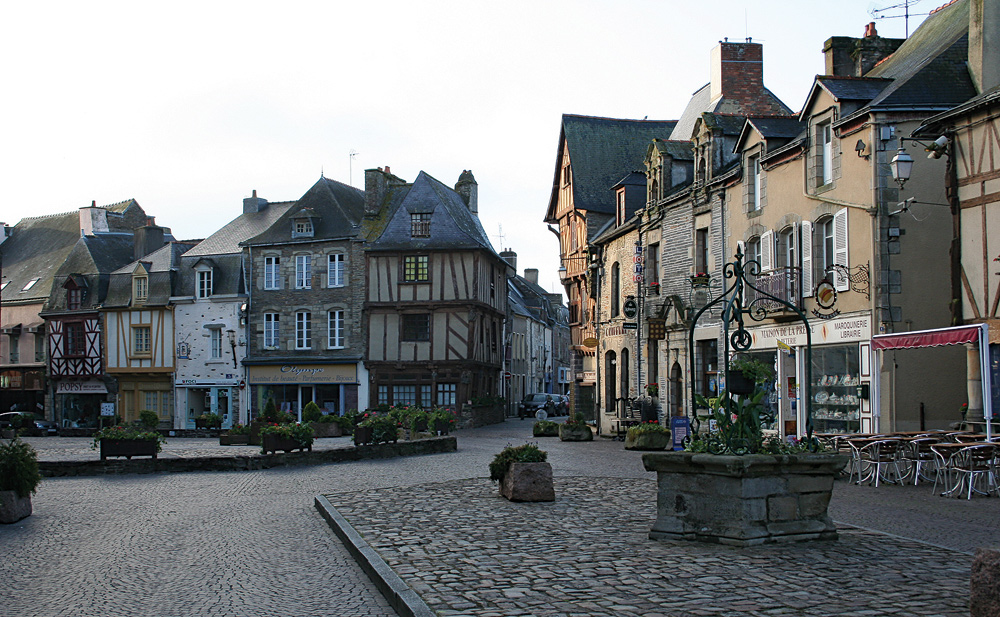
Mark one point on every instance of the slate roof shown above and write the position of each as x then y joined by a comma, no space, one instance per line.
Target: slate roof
601,151
776,131
931,125
930,67
453,226
162,268
90,263
337,209
243,227
678,150
701,103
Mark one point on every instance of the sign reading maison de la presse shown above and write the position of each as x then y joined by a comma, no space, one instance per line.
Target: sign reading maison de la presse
844,330
304,374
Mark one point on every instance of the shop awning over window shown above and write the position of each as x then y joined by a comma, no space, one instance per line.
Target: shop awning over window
927,338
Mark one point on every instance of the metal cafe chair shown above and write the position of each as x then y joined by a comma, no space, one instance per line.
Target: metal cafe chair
917,454
977,463
877,458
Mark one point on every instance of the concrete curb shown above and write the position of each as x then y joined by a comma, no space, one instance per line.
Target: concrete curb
403,600
434,445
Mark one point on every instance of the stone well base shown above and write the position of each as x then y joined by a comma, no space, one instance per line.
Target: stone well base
528,482
743,500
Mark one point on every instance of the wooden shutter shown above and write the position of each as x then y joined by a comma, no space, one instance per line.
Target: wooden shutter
840,280
767,251
806,250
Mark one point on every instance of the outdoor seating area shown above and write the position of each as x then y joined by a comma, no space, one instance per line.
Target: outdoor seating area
963,463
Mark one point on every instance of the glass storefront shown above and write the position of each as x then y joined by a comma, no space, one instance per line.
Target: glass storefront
80,410
836,406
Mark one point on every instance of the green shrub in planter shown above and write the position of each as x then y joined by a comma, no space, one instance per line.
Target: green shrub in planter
545,428
148,419
19,468
239,429
311,412
528,453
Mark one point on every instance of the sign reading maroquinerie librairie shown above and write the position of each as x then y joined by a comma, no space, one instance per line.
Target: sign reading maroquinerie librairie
304,373
843,330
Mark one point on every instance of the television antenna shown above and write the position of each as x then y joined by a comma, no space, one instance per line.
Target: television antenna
350,166
879,12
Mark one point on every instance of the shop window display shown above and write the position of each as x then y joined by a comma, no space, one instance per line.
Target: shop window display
836,405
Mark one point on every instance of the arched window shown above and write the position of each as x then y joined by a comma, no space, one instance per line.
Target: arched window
610,382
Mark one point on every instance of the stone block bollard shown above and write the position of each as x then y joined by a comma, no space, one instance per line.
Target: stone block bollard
984,600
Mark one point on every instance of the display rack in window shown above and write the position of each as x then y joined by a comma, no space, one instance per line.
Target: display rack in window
836,406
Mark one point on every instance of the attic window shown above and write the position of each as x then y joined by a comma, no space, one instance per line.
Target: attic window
420,225
74,298
302,228
567,175
140,288
203,287
30,284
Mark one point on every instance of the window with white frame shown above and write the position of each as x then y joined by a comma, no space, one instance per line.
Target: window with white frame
271,330
335,328
824,166
303,271
302,228
141,341
335,270
303,330
204,287
823,248
754,179
216,343
140,288
272,268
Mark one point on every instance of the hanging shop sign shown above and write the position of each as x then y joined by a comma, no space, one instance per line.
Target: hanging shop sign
826,300
630,308
304,374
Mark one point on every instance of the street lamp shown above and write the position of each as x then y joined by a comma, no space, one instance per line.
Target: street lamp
902,164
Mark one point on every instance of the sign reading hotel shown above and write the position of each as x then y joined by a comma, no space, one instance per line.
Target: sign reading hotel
304,374
844,330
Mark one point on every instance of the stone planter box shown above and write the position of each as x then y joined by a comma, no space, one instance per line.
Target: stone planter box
13,508
647,441
326,429
128,448
544,431
234,440
743,500
528,482
363,435
273,443
575,432
442,427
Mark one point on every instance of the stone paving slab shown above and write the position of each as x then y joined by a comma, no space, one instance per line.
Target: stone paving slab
466,551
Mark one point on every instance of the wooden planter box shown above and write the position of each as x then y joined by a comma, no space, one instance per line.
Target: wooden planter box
255,427
273,443
234,440
647,441
442,427
743,500
13,508
326,429
528,482
363,435
575,432
128,448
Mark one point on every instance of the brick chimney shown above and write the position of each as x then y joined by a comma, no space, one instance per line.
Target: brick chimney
984,38
738,71
254,203
93,220
531,275
468,188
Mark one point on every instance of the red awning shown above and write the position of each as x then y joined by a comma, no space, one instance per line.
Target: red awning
927,338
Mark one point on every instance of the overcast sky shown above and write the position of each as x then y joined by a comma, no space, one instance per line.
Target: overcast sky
191,106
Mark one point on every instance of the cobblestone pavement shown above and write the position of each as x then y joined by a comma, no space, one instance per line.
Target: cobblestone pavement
250,543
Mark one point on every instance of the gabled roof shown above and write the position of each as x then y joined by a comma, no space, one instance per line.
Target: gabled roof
336,212
701,103
601,151
844,89
453,226
775,131
161,264
677,150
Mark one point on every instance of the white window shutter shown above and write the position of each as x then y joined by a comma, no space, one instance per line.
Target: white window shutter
806,245
840,280
767,251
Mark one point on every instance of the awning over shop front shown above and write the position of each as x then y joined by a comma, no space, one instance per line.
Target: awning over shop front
928,338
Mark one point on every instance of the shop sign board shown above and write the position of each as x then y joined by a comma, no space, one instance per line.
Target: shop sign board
92,386
843,330
304,374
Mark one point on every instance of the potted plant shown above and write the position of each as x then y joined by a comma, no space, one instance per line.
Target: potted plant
376,429
523,473
127,441
148,420
650,435
443,421
327,425
238,435
575,429
208,420
747,372
653,390
545,428
19,480
286,437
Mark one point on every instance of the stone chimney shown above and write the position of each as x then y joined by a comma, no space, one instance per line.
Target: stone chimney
531,275
146,240
377,184
254,203
510,257
93,220
468,188
849,57
984,39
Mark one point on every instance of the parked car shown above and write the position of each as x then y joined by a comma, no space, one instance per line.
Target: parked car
562,404
531,403
33,424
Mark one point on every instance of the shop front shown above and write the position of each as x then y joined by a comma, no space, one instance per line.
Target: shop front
200,397
333,387
152,392
22,389
841,374
78,402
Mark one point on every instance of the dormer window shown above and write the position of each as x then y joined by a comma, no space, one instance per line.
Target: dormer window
140,288
420,225
302,228
74,298
203,286
620,207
